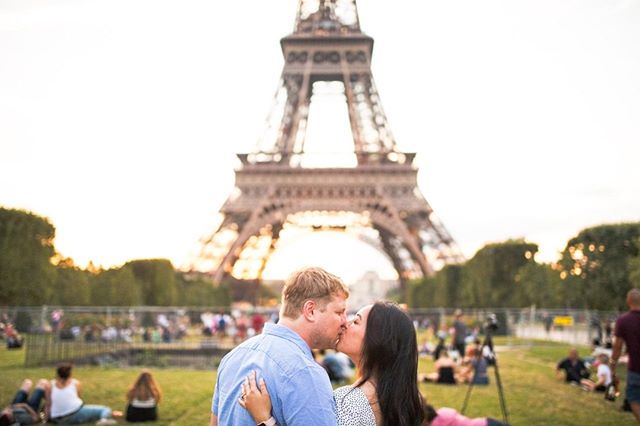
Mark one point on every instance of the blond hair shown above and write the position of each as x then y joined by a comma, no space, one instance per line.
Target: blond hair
310,284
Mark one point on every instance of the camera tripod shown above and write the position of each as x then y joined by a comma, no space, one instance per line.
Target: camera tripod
488,342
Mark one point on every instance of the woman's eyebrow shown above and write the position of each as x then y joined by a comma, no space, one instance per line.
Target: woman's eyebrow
359,316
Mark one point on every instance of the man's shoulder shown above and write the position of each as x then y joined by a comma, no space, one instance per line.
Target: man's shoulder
281,353
628,322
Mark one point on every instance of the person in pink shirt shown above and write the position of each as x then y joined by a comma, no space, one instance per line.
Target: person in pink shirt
450,417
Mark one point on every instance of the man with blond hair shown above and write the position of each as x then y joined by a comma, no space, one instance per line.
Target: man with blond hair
628,331
312,316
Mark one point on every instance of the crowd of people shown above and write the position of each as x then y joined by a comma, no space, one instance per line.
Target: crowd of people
235,326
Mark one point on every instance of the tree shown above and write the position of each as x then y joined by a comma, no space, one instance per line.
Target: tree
26,249
448,283
599,264
157,281
491,277
71,285
540,285
116,287
194,290
421,293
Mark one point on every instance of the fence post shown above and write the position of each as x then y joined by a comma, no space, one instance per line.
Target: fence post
43,318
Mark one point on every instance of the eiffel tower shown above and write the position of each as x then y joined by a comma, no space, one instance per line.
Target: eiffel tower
274,189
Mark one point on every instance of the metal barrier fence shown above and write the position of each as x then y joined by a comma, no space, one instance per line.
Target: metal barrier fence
198,336
47,350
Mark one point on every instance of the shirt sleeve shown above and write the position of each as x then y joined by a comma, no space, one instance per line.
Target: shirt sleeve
309,399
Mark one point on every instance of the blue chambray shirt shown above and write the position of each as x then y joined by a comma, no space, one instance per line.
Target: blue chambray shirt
299,387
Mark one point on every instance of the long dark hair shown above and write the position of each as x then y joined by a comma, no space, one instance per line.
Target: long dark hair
390,357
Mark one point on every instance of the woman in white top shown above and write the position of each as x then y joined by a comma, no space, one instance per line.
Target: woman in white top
381,341
64,405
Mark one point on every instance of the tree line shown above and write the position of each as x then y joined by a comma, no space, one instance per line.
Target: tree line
594,271
33,273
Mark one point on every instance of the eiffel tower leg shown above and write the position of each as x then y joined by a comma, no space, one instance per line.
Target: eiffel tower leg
392,252
267,213
389,218
275,235
245,231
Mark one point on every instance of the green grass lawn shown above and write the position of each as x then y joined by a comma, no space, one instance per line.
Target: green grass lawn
533,394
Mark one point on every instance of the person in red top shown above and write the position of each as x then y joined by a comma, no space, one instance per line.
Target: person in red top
627,330
257,322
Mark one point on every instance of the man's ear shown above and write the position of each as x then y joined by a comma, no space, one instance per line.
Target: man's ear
309,310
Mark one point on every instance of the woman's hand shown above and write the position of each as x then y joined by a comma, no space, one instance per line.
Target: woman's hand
256,400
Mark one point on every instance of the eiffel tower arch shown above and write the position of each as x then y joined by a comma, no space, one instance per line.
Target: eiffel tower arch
274,188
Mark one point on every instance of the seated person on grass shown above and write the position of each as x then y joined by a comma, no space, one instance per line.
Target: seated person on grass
604,376
24,410
474,367
445,371
143,398
574,368
64,405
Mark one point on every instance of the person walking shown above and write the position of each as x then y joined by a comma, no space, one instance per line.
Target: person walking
627,330
312,316
459,334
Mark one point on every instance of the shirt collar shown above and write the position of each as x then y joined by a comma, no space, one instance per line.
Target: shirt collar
287,334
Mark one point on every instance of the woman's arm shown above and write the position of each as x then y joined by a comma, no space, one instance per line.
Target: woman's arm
78,388
256,400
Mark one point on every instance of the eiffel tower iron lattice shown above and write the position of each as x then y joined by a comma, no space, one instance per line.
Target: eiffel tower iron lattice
274,190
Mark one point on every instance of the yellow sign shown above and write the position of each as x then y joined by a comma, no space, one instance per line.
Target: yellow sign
563,321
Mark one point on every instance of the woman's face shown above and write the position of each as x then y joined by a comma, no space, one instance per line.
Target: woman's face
352,338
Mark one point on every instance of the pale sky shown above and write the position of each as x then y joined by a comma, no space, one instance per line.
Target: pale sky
120,120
